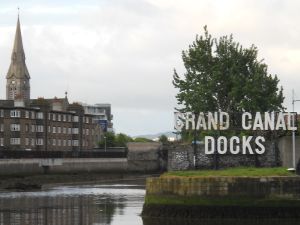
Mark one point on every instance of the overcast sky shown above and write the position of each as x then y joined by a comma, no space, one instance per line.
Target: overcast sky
123,52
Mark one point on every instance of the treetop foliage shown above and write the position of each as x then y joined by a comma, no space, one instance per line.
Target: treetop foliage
223,75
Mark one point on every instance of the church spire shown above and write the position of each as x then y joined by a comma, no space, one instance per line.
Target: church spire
18,75
18,44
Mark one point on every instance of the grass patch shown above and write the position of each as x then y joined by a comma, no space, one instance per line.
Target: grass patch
238,171
224,201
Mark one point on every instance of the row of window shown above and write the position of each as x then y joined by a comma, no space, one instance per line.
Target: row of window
40,128
40,141
40,115
28,141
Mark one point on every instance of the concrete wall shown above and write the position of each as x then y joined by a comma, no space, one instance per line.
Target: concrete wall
68,165
144,157
286,150
257,187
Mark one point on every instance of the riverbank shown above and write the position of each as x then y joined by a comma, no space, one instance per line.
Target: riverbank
232,193
38,182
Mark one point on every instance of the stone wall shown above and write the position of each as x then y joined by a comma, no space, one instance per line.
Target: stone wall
144,157
250,187
181,157
286,150
222,197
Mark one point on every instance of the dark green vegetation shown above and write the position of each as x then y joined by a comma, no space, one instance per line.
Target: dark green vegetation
238,171
218,201
223,75
119,140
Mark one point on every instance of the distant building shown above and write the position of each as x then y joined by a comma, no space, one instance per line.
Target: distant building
41,124
102,115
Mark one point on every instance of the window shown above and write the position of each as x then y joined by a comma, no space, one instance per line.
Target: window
75,143
40,115
54,142
49,129
70,118
26,141
39,128
59,142
27,114
1,141
59,117
83,131
32,141
59,130
69,130
75,118
32,115
32,128
64,118
75,130
64,142
1,113
64,130
87,132
69,142
1,127
54,130
26,127
49,116
15,127
15,113
39,141
15,141
87,120
54,117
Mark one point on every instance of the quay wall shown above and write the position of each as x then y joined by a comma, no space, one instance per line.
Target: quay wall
222,197
66,165
258,187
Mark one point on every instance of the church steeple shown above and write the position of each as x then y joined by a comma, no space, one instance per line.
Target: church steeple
18,77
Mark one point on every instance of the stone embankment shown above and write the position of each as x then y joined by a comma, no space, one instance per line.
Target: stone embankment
223,197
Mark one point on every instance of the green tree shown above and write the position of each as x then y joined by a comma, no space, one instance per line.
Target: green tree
222,75
109,138
141,139
122,140
163,139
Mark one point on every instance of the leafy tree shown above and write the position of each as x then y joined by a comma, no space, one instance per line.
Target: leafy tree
122,140
141,139
222,75
163,139
109,138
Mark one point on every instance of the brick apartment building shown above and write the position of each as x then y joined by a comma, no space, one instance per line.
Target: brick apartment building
40,124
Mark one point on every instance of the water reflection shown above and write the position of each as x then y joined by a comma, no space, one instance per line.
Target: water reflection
153,221
84,205
93,205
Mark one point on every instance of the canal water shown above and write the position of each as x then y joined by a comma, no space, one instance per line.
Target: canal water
115,203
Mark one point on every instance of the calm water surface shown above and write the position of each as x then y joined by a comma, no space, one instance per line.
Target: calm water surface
110,204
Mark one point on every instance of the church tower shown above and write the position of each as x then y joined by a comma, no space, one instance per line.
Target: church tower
17,79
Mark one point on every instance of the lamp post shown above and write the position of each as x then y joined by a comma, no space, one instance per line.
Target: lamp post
293,132
105,143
